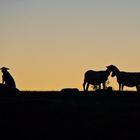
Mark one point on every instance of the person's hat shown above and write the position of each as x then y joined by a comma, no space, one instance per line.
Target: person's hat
4,68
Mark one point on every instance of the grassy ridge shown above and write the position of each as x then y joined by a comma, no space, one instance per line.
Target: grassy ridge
71,114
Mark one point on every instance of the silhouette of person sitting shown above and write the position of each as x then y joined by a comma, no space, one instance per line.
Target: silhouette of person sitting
7,79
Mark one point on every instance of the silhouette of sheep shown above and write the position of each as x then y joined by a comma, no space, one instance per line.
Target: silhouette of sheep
7,79
95,78
129,79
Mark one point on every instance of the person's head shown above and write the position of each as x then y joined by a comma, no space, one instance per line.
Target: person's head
4,69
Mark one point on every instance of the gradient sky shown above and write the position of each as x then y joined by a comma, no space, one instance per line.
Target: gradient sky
49,44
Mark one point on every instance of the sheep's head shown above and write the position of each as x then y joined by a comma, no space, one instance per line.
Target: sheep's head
113,69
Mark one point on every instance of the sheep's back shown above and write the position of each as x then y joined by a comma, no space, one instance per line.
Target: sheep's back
128,78
95,77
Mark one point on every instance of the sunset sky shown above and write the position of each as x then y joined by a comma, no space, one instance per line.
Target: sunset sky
49,44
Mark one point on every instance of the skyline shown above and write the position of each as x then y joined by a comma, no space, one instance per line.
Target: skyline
49,45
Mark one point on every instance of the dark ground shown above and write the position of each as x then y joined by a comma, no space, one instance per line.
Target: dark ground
70,115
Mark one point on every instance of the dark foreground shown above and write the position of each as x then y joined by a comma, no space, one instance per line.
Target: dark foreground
70,115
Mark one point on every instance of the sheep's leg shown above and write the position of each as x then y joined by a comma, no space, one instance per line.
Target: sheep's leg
138,88
119,87
122,87
84,84
99,86
104,86
87,87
